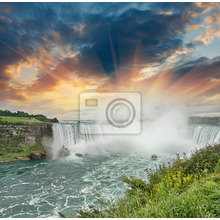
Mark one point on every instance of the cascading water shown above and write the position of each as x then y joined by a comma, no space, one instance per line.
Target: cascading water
203,135
70,134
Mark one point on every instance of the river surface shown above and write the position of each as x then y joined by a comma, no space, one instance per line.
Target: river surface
42,188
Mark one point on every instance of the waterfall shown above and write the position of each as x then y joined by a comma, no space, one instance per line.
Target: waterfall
203,135
71,133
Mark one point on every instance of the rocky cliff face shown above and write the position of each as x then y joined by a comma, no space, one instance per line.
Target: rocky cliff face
29,132
25,142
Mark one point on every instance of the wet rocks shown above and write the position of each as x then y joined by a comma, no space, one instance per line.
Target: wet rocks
35,156
39,154
63,152
82,155
23,158
15,160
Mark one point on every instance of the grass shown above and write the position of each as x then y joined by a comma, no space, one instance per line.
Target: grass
10,119
190,188
11,150
198,201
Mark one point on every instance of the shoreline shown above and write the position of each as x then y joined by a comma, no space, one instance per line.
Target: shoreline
24,142
15,160
20,159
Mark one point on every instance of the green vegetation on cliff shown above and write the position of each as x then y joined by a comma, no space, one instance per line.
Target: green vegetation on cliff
214,121
17,120
24,117
23,142
190,188
13,148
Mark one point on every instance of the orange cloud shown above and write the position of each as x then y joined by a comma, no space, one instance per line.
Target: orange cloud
205,6
196,81
213,18
192,27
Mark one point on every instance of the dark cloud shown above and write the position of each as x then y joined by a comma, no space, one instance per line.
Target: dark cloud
185,68
8,57
196,78
114,38
103,36
175,7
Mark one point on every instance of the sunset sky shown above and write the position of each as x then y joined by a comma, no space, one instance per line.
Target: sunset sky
50,51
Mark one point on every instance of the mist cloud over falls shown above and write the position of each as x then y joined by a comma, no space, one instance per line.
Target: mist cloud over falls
162,125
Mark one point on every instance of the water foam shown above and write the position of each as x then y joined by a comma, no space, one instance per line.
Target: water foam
156,137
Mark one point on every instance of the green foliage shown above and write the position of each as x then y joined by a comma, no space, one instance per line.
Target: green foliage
215,121
3,130
5,120
199,201
201,159
10,147
14,117
135,183
217,168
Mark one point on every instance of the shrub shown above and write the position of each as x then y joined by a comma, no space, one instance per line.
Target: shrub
217,168
184,171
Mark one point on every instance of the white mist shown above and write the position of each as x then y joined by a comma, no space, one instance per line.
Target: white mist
162,125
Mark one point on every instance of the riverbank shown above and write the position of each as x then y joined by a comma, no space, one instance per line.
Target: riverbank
24,142
13,152
187,189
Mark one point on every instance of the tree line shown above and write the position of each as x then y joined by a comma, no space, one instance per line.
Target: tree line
205,120
39,117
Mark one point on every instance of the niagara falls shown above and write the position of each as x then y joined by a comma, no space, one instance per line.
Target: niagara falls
109,109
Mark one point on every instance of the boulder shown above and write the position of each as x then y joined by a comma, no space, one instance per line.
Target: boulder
35,156
38,154
15,160
9,161
23,158
78,155
63,152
